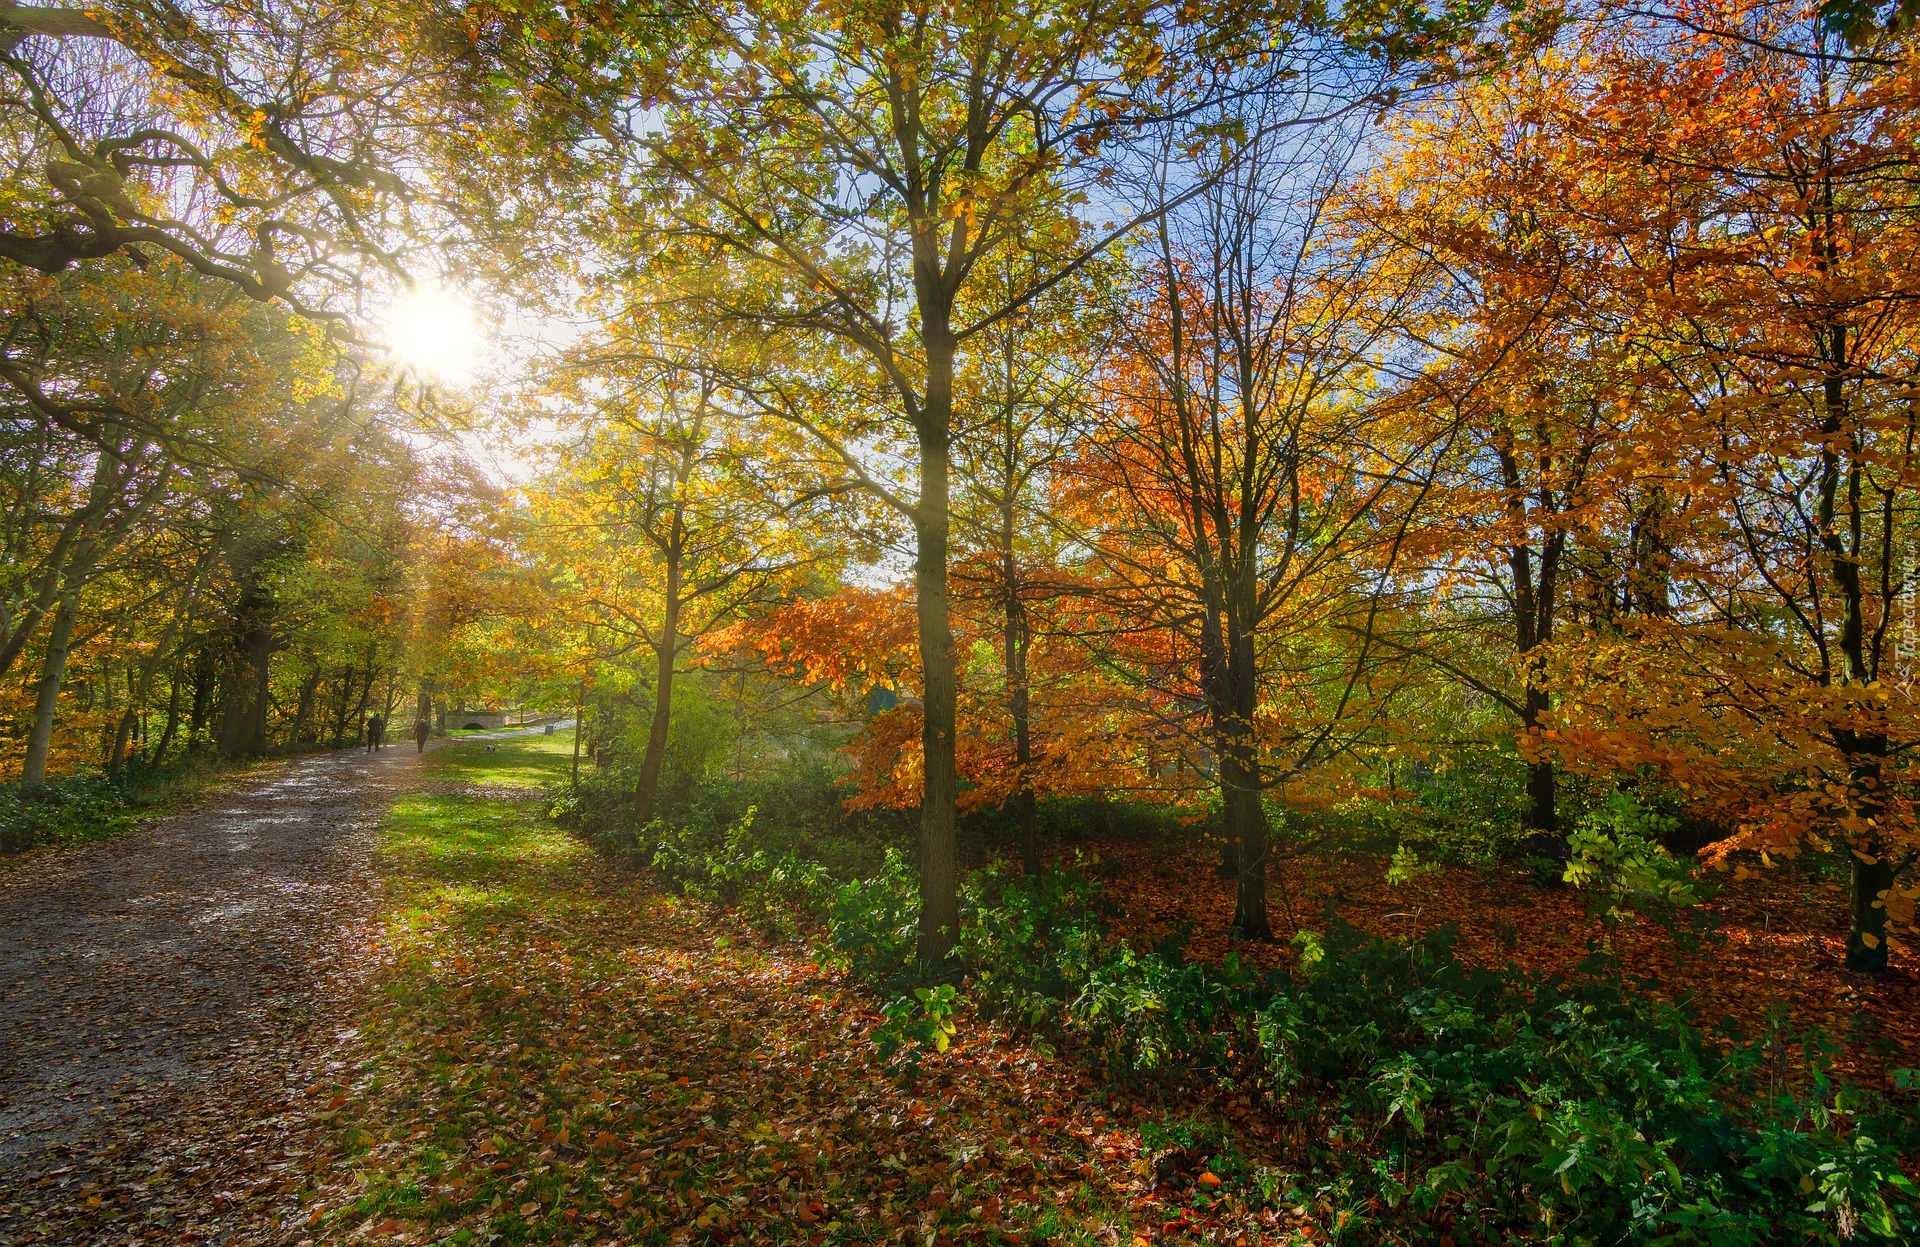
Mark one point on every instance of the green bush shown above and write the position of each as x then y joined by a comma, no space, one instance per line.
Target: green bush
874,925
919,1022
801,810
66,811
1468,806
1566,1110
1572,1108
1618,848
772,889
1070,820
1029,941
1139,1011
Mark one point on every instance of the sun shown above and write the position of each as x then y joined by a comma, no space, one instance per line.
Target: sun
436,334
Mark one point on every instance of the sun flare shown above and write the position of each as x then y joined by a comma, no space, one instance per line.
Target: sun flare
436,334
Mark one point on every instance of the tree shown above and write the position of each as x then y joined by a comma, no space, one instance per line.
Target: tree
1515,361
845,172
1762,237
1210,490
257,144
857,166
1678,242
654,527
1021,396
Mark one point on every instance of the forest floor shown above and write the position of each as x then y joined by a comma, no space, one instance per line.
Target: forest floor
505,1037
288,1019
1775,940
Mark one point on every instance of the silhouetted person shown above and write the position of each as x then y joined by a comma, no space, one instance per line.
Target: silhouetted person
375,727
421,731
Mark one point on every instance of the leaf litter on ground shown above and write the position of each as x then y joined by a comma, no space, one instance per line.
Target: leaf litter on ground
561,1051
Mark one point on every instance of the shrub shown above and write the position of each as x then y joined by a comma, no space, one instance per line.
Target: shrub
1141,1012
1570,1108
67,811
1618,848
874,925
919,1022
1029,941
776,892
800,811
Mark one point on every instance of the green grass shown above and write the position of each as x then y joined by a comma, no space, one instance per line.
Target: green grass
521,762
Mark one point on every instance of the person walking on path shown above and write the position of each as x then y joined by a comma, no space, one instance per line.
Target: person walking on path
376,726
421,730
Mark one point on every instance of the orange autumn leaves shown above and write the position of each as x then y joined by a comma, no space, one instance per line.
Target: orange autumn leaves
1691,278
860,644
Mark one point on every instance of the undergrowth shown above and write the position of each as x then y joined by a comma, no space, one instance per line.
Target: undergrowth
1402,1093
79,809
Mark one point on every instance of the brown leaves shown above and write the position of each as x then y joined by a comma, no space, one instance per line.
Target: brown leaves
1773,938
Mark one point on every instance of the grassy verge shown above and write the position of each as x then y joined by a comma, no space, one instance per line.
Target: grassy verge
557,1051
83,809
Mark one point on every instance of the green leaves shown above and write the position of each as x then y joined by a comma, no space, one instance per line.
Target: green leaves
1864,22
921,1022
1616,849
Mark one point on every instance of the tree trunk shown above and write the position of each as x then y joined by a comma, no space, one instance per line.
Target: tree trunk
1872,876
1214,691
243,720
117,759
303,708
203,682
129,731
52,669
1872,870
360,707
1533,628
342,704
1016,640
159,756
1250,896
579,719
1543,820
939,847
1240,769
1025,808
647,790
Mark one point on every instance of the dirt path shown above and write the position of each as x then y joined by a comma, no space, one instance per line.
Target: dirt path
158,977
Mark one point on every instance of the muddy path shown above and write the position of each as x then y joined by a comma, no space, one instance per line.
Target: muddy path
174,977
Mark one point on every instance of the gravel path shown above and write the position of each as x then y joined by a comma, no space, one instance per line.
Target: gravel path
157,980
